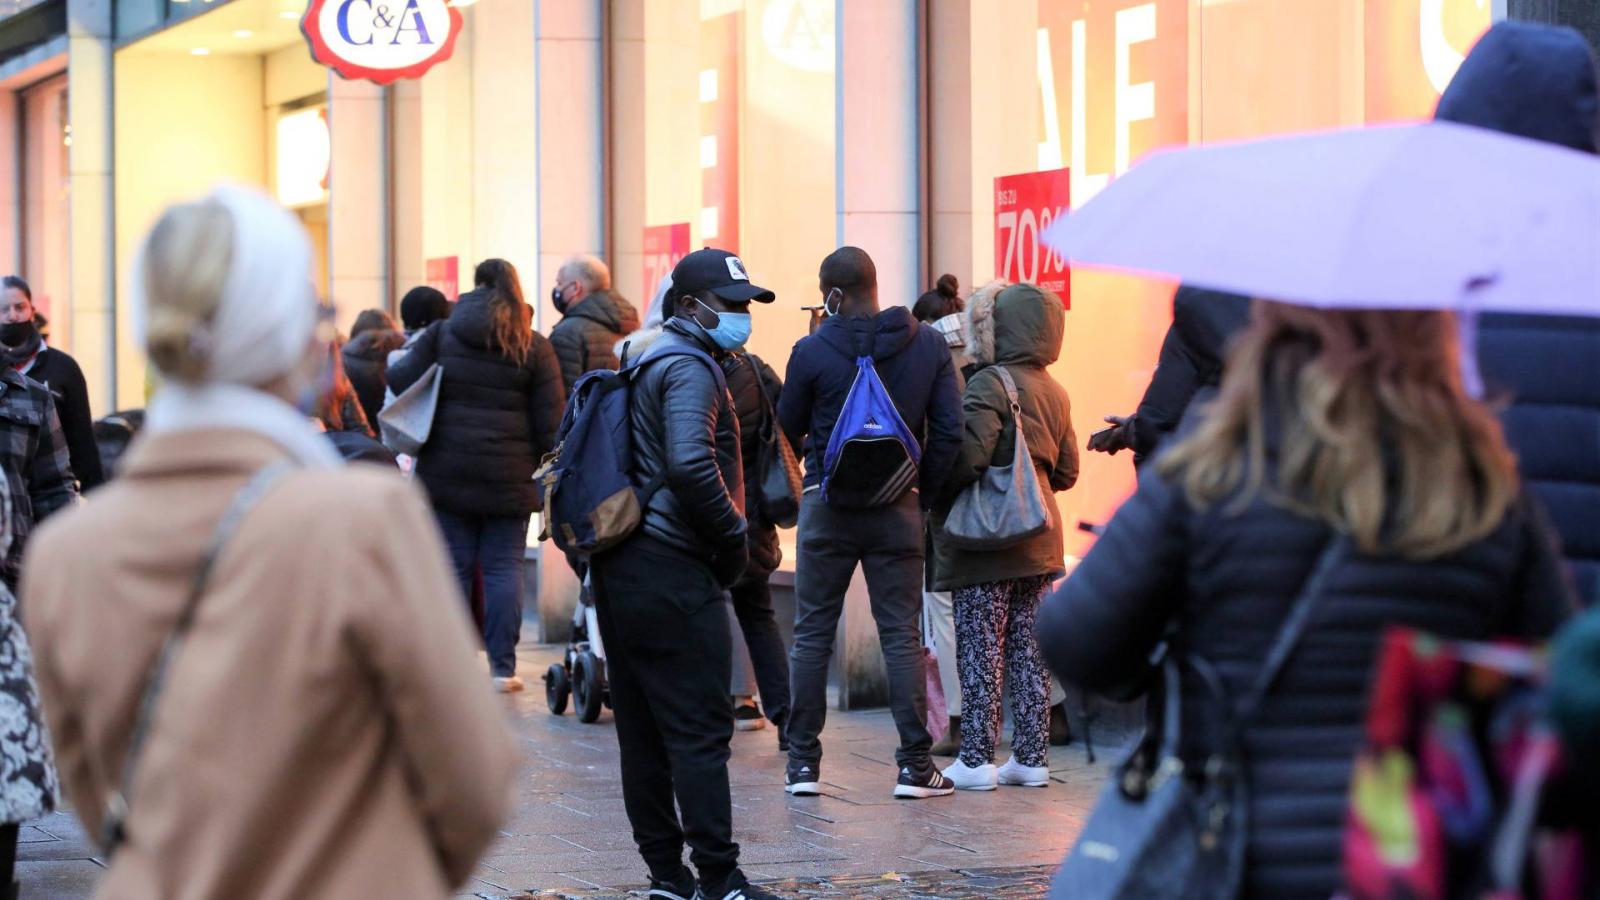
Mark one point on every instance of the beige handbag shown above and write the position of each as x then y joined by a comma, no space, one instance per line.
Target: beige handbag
407,422
1006,505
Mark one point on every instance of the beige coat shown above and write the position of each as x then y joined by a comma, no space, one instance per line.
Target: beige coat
326,730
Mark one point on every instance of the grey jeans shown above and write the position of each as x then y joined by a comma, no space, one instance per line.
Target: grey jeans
887,543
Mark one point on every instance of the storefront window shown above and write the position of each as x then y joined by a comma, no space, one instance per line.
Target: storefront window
46,143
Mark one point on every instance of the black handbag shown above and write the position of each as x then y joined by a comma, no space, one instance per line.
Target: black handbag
778,488
1162,830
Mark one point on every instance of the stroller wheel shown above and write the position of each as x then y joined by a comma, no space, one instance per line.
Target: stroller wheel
588,686
557,687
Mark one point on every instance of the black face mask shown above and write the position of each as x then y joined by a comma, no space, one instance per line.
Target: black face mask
559,301
19,334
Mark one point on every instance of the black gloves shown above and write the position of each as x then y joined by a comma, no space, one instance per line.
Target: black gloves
1114,439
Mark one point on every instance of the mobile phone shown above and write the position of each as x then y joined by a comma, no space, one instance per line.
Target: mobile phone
818,308
1106,430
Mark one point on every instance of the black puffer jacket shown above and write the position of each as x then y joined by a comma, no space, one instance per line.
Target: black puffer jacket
1547,366
586,337
685,430
366,363
1203,321
1228,578
495,420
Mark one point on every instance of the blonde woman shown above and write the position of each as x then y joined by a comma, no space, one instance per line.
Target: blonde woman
1350,423
309,734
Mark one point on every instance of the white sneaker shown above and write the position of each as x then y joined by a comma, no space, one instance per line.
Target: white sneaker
967,778
508,685
1014,773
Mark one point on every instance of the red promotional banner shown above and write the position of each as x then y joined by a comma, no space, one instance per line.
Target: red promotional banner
444,274
664,245
1024,206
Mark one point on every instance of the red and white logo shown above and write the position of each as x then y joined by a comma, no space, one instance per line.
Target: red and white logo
382,41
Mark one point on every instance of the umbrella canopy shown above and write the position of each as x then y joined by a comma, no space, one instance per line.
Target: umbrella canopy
1427,216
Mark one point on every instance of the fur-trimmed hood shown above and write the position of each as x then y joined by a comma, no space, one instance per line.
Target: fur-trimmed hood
1018,324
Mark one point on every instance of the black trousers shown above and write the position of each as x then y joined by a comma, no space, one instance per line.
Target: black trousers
668,660
752,604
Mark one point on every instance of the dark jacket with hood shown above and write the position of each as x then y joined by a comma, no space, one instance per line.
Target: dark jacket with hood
914,364
585,338
1019,329
495,420
1226,576
686,432
1203,321
366,362
1539,82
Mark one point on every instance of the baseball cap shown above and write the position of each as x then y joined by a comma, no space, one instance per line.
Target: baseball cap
719,272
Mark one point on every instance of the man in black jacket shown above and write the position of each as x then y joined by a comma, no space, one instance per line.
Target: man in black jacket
660,595
593,318
886,541
27,352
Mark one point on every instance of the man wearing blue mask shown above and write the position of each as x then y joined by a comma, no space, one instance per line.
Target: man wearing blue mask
660,595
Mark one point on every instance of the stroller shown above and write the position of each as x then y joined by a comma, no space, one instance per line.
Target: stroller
581,674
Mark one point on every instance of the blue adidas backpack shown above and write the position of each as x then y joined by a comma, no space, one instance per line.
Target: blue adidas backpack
591,500
872,457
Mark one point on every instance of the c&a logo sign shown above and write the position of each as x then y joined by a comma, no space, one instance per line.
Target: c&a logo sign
382,41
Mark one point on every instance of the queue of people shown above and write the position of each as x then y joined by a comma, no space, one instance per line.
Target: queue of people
1318,473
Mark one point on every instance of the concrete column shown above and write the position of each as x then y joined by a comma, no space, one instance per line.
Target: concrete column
627,93
11,151
406,177
571,205
878,161
950,225
358,199
90,81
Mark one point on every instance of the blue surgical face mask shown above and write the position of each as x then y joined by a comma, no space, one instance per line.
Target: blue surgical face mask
733,329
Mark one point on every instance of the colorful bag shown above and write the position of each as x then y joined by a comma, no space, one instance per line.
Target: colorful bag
1454,794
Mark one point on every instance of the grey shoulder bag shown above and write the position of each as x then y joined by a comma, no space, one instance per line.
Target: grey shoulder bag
1006,505
1162,830
113,830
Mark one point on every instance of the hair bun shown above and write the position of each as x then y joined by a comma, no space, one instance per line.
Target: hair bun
948,286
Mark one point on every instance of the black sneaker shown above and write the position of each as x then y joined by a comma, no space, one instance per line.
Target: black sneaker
737,887
747,717
803,779
930,783
684,888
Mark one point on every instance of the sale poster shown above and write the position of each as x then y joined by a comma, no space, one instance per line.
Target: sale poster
444,274
1024,206
664,245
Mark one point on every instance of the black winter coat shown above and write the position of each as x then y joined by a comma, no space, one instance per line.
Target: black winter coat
60,373
748,376
495,420
1228,579
1203,321
685,431
912,360
366,362
585,339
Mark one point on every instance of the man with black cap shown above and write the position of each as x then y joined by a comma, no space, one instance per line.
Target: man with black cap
660,595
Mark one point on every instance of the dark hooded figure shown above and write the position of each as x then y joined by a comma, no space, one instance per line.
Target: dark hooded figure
1539,82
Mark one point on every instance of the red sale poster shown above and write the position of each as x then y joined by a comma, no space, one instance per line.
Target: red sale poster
664,245
444,274
1024,206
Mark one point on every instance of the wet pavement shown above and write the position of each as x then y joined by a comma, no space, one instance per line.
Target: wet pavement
568,835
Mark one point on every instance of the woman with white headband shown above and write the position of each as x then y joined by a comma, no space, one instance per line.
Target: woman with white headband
234,716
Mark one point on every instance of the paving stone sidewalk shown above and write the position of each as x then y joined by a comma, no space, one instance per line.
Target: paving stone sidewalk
568,834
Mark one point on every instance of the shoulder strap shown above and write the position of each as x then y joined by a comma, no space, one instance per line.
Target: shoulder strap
1007,382
113,828
1290,632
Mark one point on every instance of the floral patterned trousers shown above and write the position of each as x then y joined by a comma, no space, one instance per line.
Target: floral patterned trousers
994,638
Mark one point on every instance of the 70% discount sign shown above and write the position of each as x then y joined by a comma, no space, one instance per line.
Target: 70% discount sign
1024,206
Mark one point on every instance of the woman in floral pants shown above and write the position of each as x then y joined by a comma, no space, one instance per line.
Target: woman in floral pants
997,592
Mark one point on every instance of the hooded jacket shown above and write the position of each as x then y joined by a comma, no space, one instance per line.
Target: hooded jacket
366,363
495,420
686,432
1019,329
584,337
912,361
1203,321
1539,82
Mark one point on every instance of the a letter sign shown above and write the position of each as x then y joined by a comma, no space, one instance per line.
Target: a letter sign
1024,206
382,41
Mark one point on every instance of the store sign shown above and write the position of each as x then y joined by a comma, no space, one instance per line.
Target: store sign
1024,206
382,41
664,245
1413,48
443,274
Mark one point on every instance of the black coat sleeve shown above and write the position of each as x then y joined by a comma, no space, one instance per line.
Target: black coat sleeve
944,425
51,483
1543,598
409,368
690,407
1099,628
547,396
1177,378
77,422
